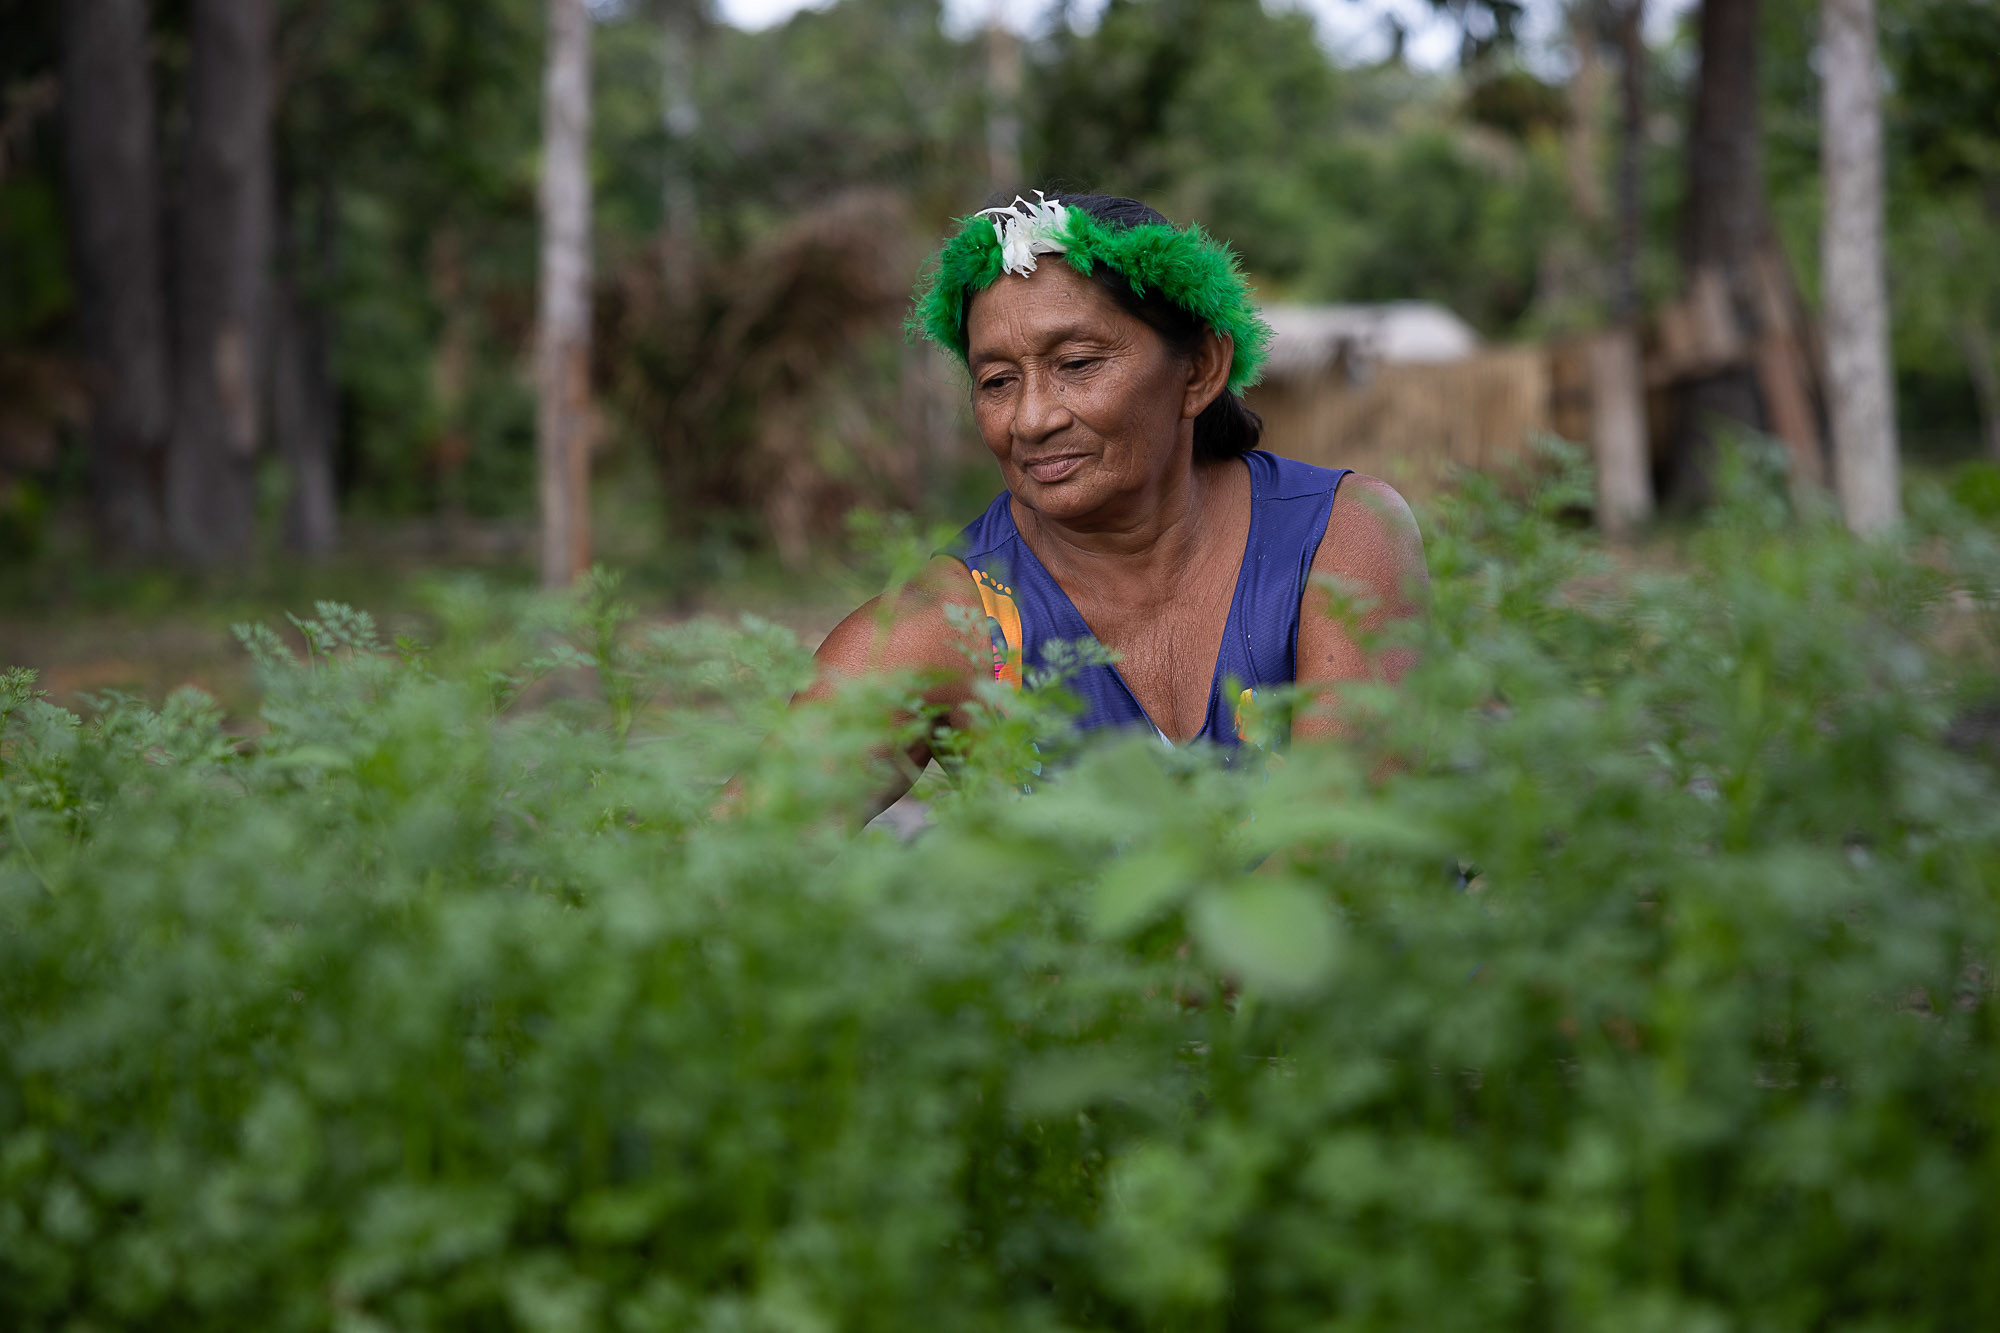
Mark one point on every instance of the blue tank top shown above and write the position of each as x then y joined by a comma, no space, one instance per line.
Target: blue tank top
1027,610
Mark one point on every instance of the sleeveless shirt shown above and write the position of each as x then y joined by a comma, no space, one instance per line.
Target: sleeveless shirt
1027,610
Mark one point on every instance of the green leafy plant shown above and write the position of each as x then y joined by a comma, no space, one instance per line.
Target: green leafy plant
1652,987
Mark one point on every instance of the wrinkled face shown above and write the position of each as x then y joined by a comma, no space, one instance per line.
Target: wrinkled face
1079,402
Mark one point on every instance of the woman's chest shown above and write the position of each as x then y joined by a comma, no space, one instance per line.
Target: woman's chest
1167,641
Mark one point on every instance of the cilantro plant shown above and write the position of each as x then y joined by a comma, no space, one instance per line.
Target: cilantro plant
1649,983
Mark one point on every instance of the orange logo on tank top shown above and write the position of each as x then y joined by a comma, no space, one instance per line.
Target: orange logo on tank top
1003,627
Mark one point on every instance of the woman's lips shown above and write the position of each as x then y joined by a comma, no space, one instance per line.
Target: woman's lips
1047,470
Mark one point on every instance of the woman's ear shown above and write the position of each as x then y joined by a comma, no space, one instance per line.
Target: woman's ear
1208,373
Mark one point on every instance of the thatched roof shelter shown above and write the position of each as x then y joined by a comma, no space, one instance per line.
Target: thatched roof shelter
1403,391
1314,339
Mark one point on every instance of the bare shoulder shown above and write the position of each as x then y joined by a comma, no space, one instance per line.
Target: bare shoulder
1371,536
1372,546
913,628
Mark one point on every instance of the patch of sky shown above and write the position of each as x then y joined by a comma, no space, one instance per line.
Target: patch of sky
1354,32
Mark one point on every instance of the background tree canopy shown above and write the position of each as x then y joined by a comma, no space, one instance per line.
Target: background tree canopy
406,149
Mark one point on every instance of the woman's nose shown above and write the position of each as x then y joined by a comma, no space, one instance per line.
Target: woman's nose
1040,410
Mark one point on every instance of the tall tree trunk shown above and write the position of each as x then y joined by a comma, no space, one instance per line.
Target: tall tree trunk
1725,217
304,403
1725,220
1581,148
1971,331
1617,379
1569,277
1631,150
680,117
113,183
1976,345
1003,103
1860,391
562,350
222,281
451,376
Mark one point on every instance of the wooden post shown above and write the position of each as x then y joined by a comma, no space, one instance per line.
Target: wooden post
562,336
1618,434
1784,376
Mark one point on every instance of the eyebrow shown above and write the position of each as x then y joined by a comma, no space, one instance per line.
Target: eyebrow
1055,338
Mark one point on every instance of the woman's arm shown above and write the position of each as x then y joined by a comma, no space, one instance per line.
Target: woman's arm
1371,546
911,629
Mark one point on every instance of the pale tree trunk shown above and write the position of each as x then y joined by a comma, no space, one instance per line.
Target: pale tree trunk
562,338
1860,391
222,281
1003,103
1580,137
1631,148
1618,433
113,183
1569,278
680,117
1617,379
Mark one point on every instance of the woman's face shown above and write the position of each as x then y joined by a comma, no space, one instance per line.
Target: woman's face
1081,403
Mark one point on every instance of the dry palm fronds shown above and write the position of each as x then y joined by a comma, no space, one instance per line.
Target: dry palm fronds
785,389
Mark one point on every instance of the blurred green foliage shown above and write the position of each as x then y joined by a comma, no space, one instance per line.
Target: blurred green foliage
1335,183
408,139
1655,989
34,284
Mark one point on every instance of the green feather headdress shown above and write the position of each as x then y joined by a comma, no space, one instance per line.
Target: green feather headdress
1184,264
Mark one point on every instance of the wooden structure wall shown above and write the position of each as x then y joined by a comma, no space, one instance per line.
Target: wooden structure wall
1613,391
1414,425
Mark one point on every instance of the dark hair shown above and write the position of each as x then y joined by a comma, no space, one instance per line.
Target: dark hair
1226,428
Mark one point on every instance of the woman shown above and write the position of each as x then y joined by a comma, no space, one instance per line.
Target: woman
1106,350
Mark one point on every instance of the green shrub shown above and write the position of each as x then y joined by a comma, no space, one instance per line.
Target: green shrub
1976,487
1653,989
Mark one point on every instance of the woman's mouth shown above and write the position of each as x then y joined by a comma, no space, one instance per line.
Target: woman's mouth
1048,470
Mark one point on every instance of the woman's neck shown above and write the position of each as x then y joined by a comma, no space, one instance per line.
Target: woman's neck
1147,537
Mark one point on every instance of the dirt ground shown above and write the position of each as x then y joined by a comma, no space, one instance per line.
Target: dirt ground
150,632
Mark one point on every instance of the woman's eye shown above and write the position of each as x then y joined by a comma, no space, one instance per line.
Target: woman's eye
995,383
1077,363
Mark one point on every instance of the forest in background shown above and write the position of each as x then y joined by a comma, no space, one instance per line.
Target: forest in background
763,201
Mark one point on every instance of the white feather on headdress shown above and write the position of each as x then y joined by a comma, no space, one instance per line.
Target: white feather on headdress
1027,230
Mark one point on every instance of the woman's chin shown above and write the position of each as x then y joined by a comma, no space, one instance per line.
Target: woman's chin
1066,497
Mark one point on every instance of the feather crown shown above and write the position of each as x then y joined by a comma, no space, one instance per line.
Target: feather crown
1183,264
